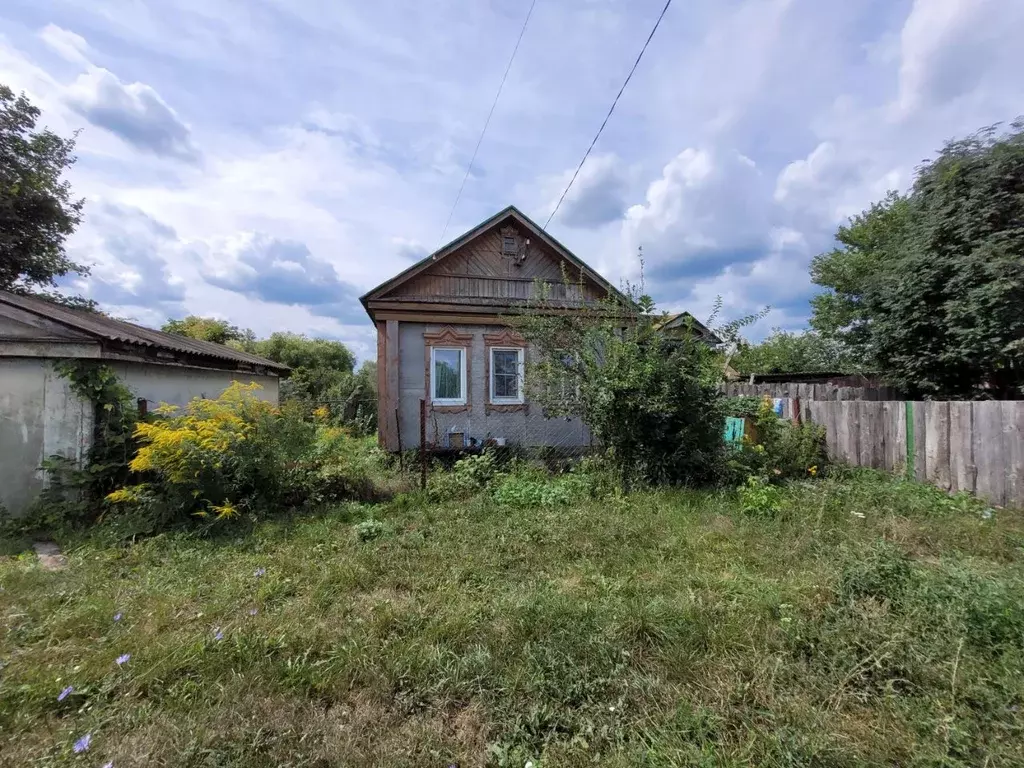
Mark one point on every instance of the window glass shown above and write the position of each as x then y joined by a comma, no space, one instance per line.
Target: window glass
448,374
505,374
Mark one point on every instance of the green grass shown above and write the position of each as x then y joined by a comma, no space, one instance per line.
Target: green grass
663,629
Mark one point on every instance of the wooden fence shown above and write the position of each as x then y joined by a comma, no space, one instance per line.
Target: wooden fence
805,391
975,446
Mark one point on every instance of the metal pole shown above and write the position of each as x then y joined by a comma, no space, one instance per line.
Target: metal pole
423,444
398,429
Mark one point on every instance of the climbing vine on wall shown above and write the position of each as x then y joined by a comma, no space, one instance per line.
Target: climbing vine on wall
76,493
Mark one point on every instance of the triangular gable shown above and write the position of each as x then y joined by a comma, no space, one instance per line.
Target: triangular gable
509,217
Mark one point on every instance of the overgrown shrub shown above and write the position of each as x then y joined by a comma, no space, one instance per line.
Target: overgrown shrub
651,400
470,475
222,458
338,465
759,498
781,450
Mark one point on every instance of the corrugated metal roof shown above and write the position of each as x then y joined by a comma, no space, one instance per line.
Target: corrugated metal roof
128,333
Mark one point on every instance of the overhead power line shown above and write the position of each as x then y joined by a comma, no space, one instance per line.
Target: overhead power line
610,110
487,122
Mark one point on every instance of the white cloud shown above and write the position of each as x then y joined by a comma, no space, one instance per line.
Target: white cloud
67,44
749,131
134,112
705,202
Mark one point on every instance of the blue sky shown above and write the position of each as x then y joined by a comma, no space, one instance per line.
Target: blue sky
268,161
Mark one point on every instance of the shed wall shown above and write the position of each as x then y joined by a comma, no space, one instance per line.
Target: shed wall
39,416
176,386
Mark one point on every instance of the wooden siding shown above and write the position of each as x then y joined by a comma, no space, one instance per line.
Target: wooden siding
479,270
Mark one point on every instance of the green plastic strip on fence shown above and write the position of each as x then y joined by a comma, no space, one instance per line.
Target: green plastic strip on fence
910,438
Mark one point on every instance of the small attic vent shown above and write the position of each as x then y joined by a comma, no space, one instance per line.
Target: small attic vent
509,241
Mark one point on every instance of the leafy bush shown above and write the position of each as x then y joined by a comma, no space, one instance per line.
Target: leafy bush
651,399
782,451
470,475
215,458
367,530
338,465
741,405
759,498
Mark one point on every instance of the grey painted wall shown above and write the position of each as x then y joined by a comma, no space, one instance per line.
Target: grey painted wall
176,386
40,416
529,428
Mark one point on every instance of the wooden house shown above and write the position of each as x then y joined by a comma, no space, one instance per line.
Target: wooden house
441,338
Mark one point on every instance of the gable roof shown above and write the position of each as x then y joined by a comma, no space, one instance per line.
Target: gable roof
509,212
684,319
104,328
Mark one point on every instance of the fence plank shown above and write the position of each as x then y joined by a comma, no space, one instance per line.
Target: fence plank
866,434
888,438
899,452
988,451
1013,451
961,450
852,418
920,442
937,443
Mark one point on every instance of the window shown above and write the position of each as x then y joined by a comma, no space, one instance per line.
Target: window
448,376
506,375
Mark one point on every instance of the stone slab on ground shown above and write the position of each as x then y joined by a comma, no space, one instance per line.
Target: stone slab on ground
49,555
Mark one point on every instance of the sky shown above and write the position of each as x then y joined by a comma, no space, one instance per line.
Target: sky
269,161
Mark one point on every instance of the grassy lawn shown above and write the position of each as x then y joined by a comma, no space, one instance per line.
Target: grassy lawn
873,622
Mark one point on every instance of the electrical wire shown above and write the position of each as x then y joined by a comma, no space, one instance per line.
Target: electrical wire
611,109
487,122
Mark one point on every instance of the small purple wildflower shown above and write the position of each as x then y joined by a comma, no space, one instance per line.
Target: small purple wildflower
253,611
118,616
218,635
123,659
109,765
65,693
83,743
259,572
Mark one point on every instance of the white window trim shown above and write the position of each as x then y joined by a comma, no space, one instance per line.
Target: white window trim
520,370
462,377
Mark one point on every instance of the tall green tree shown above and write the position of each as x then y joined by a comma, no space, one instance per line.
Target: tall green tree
206,329
788,352
37,211
929,288
868,244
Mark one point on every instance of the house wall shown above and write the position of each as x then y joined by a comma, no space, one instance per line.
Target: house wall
39,416
528,427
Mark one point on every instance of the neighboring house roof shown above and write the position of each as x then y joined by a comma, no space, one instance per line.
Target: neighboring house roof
813,377
106,329
683,320
510,212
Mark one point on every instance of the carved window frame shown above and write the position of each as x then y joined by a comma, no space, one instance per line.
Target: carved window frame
448,338
504,340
